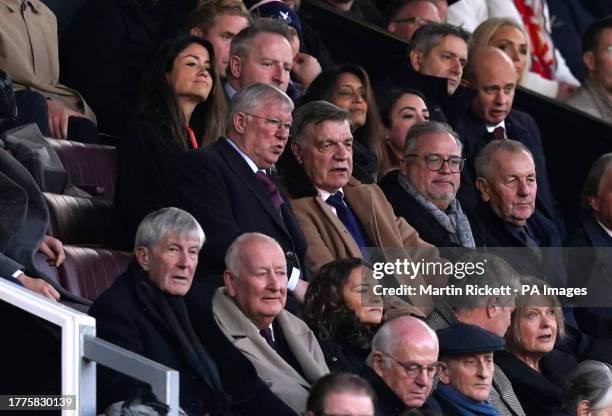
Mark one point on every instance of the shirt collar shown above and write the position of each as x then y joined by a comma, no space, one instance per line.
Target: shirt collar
324,194
247,159
606,229
502,124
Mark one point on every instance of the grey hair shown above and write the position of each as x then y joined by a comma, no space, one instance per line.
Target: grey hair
243,41
594,179
429,36
314,112
158,224
248,99
233,256
428,127
484,160
382,341
592,381
498,273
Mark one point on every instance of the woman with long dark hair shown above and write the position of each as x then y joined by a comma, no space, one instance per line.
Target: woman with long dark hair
343,313
348,87
182,108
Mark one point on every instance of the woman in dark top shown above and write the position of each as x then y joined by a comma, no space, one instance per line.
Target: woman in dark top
182,108
536,369
348,87
343,313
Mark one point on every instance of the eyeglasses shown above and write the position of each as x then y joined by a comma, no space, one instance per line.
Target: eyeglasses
413,370
273,122
435,162
414,20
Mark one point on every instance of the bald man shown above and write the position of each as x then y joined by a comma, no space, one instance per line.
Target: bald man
492,75
402,365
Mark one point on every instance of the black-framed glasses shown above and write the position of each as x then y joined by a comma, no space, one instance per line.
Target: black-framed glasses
435,162
413,370
273,122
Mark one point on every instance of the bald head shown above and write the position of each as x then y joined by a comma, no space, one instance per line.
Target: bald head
492,74
404,354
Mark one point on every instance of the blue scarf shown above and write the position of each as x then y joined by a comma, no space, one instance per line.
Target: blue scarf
455,403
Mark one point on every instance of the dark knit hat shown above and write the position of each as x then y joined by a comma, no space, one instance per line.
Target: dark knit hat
461,339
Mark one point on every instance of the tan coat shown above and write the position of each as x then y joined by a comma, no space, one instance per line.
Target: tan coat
328,239
29,53
282,379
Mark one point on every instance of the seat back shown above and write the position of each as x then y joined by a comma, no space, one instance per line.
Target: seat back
91,167
79,221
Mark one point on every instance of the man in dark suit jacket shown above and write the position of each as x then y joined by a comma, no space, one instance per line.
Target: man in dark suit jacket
506,179
145,312
590,251
493,75
226,186
424,189
24,219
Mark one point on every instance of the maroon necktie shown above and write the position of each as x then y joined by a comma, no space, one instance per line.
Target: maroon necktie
275,197
499,133
267,334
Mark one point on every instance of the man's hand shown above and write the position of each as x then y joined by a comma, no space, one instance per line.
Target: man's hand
58,119
300,290
39,286
53,249
305,69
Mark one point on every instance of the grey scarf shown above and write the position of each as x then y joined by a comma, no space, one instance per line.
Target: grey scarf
453,220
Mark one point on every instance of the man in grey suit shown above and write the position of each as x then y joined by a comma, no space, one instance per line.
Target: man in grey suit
250,312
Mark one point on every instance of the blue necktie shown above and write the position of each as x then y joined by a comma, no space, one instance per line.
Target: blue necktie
345,214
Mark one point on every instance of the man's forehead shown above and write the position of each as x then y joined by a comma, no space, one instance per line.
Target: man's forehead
453,43
432,142
511,163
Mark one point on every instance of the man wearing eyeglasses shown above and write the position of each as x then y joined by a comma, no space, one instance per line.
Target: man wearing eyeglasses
402,365
423,191
229,188
595,94
404,17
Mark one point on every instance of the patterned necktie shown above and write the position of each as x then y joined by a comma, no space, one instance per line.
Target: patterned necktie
345,214
275,197
499,133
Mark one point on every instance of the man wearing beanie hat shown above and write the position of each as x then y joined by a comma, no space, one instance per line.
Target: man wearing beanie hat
466,380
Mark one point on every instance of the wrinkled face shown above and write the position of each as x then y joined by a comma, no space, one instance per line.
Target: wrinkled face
511,189
260,286
348,403
606,411
441,186
358,295
350,95
327,154
599,62
412,390
471,374
412,16
407,111
602,204
220,35
537,328
495,86
269,61
511,40
445,60
259,138
171,263
189,77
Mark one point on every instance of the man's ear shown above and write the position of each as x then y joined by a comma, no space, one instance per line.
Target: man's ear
296,149
235,66
142,257
416,59
392,27
378,361
483,187
589,60
583,408
239,122
594,203
197,32
444,376
228,280
492,307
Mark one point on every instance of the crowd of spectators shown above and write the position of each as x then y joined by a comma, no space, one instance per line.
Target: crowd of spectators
259,183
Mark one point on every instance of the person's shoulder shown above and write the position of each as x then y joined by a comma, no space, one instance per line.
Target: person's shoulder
117,294
292,322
